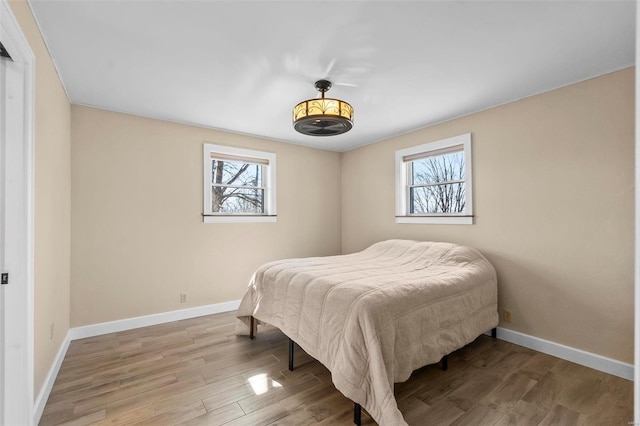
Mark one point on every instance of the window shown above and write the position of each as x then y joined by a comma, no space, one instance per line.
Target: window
433,182
239,185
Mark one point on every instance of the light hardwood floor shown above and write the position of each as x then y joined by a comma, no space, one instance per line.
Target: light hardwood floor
197,372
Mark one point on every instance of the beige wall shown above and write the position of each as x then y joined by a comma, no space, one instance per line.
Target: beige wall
138,239
553,200
52,202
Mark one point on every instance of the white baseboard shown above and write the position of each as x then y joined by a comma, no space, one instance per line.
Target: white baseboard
115,326
147,320
578,356
45,390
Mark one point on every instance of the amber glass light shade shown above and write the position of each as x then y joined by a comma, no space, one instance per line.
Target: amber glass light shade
324,116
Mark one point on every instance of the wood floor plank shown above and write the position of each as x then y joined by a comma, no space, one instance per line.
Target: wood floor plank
560,415
230,395
197,372
228,367
479,414
538,365
59,415
176,414
85,393
510,391
583,393
80,369
147,371
298,416
133,401
307,397
327,409
522,413
286,388
79,383
91,403
415,409
129,417
200,393
87,419
613,406
547,390
260,417
216,417
438,385
465,396
441,413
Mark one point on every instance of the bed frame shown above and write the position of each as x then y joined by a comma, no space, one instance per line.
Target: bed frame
357,408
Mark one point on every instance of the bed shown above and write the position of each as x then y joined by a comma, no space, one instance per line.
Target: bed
375,316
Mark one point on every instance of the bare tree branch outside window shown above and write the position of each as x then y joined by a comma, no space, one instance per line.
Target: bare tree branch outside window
437,184
237,187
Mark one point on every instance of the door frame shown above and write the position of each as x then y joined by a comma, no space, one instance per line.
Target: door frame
636,253
16,385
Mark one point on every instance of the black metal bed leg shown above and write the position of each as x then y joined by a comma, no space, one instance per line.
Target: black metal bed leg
445,363
291,343
357,414
252,326
494,332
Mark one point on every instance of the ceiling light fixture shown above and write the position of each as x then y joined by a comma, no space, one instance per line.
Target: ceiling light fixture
324,116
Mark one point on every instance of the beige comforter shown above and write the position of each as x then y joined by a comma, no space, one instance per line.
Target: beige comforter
374,316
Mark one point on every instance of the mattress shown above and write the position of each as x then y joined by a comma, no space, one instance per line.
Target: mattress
375,316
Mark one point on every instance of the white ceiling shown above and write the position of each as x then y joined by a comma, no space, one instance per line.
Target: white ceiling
241,66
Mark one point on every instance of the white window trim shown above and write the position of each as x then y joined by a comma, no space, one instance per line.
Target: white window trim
402,215
269,184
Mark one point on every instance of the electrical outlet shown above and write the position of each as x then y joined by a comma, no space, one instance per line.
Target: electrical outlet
507,315
183,298
52,330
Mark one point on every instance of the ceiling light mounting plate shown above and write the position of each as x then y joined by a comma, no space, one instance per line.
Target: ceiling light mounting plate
323,86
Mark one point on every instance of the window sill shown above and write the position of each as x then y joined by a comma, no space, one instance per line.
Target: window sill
238,219
436,220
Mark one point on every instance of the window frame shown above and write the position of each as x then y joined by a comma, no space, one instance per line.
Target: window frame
403,182
268,184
